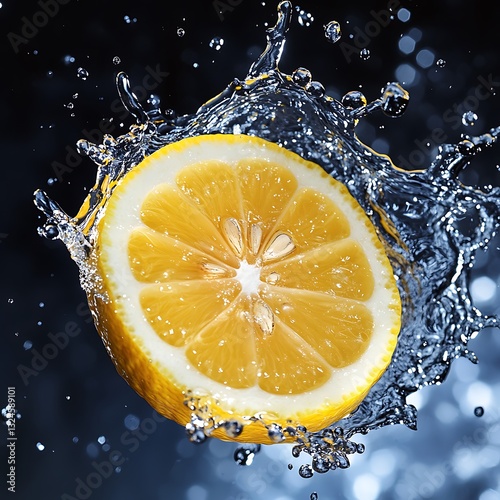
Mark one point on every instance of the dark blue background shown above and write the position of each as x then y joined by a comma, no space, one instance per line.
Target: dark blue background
75,404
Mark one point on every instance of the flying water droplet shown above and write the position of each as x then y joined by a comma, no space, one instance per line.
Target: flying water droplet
306,471
116,60
333,32
244,455
181,32
216,43
304,18
479,411
441,63
364,54
469,118
82,73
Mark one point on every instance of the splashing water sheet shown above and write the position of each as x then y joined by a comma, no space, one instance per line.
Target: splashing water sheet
433,224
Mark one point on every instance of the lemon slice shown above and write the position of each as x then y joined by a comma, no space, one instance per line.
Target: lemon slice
236,271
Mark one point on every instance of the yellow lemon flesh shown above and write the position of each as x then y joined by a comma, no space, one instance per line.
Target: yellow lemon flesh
237,272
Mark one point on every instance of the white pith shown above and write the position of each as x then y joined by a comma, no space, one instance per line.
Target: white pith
125,217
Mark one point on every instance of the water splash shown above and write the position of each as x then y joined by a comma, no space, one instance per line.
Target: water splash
418,215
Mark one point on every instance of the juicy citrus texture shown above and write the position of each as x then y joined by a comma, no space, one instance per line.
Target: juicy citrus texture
241,273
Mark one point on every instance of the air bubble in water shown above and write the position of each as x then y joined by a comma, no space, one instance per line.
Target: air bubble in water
333,32
216,43
469,118
364,54
82,73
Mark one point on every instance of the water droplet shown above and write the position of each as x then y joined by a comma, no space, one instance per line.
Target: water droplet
313,496
233,428
27,345
68,60
116,60
441,63
304,18
101,439
50,74
244,455
216,43
181,32
333,32
394,99
302,76
466,147
275,433
10,301
281,246
130,20
82,73
316,89
195,434
469,118
296,451
354,99
360,448
290,466
364,54
75,439
40,446
306,471
479,411
321,465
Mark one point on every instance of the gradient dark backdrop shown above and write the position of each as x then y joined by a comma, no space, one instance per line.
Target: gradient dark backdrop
75,406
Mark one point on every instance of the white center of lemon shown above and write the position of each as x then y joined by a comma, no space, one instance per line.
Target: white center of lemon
249,277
